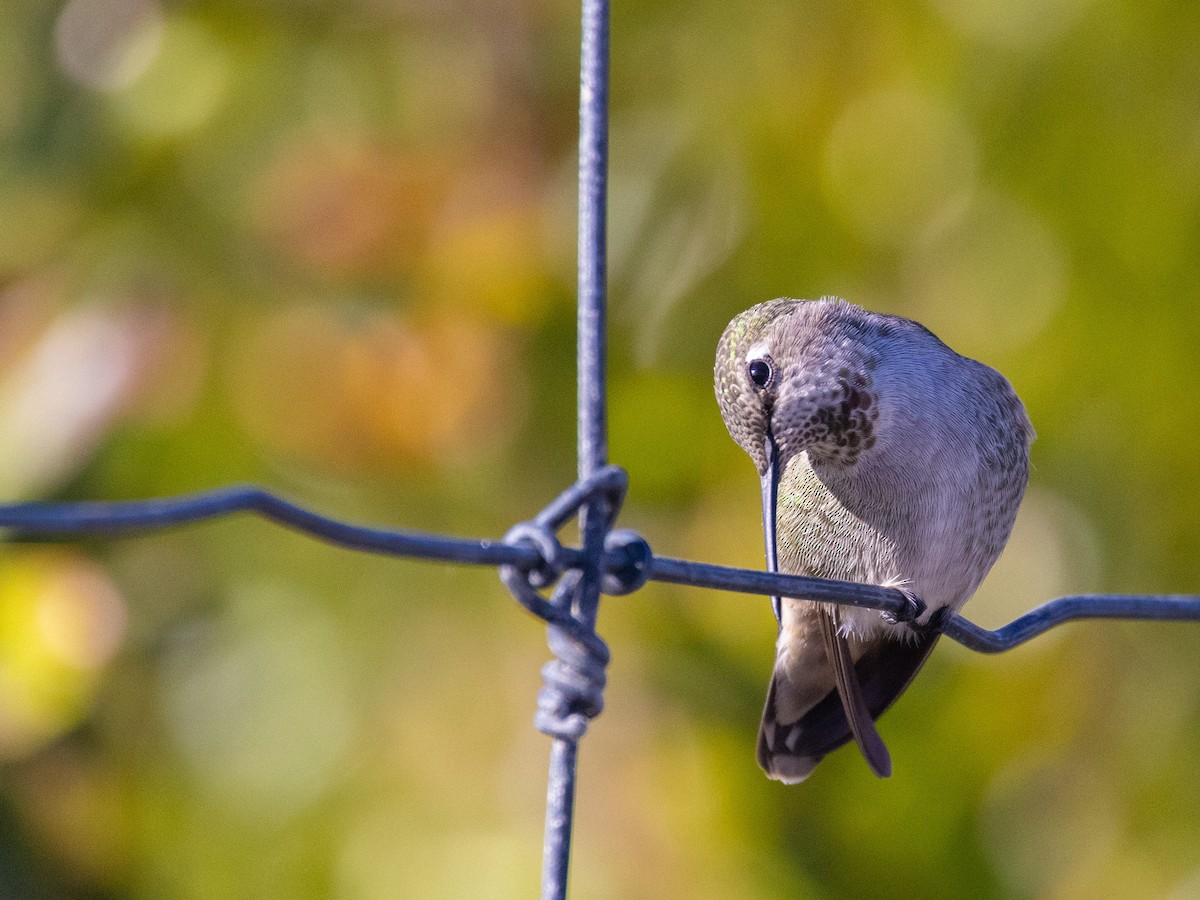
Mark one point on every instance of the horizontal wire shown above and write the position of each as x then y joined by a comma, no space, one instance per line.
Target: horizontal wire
34,521
47,521
1137,607
750,581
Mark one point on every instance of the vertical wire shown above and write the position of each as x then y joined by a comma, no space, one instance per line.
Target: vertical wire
560,809
593,177
592,338
592,414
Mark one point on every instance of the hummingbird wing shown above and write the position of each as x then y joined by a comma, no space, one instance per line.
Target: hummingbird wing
854,705
794,738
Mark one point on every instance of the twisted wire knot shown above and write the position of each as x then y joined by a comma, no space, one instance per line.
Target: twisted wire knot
573,682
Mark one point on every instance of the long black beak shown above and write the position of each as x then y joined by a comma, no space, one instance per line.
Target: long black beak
770,498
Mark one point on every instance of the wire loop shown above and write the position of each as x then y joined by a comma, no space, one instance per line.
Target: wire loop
550,564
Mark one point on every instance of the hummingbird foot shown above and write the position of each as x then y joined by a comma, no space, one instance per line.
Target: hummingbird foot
937,622
916,608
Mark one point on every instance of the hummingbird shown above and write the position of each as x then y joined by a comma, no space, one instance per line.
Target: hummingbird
885,458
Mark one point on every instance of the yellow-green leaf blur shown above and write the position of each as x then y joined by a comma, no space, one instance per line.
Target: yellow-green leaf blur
329,247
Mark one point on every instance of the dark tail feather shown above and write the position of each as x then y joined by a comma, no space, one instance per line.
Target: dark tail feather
790,751
854,704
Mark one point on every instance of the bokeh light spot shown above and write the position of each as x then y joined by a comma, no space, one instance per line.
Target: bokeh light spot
108,44
182,88
79,372
895,161
61,621
990,281
81,617
261,705
1013,24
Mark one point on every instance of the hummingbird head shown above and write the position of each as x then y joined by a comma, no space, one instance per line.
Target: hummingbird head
797,375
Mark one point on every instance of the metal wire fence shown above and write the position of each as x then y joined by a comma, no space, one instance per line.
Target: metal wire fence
530,557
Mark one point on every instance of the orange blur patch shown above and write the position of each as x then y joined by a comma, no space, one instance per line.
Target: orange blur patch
378,392
342,206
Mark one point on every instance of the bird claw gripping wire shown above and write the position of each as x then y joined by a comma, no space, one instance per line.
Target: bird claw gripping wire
573,682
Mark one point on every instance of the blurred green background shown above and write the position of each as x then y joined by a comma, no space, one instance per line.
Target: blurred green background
329,247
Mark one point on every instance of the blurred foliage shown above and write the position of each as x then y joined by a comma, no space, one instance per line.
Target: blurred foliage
329,247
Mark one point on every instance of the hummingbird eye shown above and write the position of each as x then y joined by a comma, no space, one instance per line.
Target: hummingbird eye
760,372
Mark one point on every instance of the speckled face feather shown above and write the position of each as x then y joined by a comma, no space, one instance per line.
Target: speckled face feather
900,462
742,406
822,399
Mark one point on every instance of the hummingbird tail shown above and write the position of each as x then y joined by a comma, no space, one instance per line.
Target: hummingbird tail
854,705
794,736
